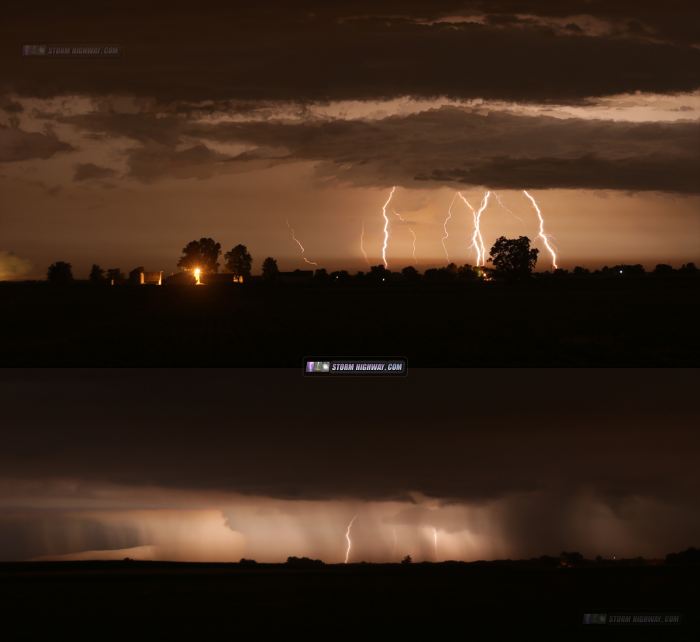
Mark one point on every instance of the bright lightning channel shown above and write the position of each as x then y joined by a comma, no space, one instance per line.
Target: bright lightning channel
477,240
542,234
348,540
435,542
473,211
301,247
444,227
386,226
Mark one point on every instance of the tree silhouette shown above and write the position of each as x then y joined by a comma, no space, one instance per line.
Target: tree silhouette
304,562
406,560
239,261
690,556
663,269
513,258
378,273
203,254
571,558
97,275
441,275
624,270
60,273
467,273
270,271
410,274
340,276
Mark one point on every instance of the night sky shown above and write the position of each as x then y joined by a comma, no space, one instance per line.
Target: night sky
227,121
442,464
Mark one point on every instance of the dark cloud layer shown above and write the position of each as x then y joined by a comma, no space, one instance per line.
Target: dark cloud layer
452,434
494,149
18,145
325,51
447,145
90,171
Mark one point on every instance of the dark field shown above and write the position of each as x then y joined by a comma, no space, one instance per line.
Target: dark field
650,322
129,600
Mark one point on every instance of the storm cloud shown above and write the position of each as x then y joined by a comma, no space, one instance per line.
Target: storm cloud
520,51
201,465
443,146
18,145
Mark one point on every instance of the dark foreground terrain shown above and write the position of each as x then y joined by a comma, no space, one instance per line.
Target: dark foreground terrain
504,601
598,323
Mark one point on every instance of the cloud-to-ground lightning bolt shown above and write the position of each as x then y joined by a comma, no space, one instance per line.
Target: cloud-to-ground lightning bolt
435,544
477,239
362,243
410,229
542,234
386,225
473,211
348,540
444,227
413,234
301,247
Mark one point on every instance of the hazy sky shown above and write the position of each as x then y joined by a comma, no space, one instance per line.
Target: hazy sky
228,121
199,464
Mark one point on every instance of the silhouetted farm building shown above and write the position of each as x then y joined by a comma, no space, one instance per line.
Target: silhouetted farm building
209,278
151,278
218,278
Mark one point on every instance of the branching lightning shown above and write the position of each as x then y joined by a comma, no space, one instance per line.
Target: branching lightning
348,540
477,240
301,247
473,211
542,234
413,234
386,226
444,227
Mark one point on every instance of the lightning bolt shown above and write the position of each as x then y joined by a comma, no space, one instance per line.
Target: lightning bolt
348,540
362,243
477,240
435,543
444,227
386,226
413,234
473,211
542,234
301,247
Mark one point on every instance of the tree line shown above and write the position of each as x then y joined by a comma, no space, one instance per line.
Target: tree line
509,259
